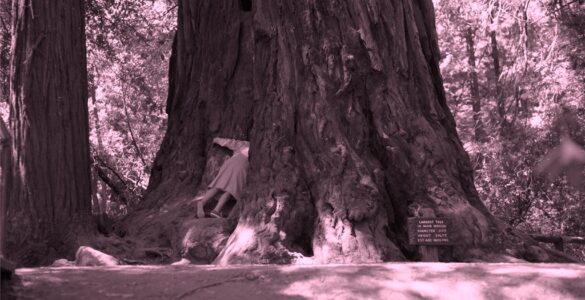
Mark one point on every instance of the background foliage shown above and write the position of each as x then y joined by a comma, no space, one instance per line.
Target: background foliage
5,37
540,49
128,46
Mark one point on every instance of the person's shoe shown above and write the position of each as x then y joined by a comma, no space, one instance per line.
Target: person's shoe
215,214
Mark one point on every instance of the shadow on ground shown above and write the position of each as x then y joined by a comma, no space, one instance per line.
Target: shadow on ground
375,281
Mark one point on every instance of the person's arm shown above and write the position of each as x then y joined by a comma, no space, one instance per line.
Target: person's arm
232,144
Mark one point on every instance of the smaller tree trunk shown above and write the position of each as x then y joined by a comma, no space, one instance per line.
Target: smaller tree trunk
474,87
497,73
96,117
5,20
130,130
495,54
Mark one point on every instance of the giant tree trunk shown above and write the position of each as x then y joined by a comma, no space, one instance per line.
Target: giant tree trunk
48,201
350,133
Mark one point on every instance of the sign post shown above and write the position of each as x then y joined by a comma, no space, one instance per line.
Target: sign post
429,233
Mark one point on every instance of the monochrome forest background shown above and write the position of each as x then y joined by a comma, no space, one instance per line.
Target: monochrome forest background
513,72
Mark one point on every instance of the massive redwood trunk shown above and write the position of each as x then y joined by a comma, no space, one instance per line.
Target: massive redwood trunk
350,133
48,197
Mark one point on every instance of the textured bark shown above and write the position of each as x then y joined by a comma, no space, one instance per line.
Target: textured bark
5,165
479,133
344,107
48,203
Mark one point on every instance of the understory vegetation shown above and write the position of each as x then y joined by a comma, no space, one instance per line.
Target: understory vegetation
514,76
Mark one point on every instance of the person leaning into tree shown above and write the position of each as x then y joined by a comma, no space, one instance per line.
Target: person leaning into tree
231,178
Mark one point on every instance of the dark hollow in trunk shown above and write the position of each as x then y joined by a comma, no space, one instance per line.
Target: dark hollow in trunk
246,5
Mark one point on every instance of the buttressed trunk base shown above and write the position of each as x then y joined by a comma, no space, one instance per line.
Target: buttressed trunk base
343,104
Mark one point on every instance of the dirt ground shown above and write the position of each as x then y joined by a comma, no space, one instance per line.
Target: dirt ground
371,281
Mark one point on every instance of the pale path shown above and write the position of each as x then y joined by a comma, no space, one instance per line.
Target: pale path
375,281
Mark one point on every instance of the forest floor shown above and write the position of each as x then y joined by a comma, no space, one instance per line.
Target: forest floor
370,281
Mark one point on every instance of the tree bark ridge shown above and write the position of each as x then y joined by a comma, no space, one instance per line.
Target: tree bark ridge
49,201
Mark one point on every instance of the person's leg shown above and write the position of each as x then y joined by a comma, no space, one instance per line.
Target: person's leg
221,202
201,202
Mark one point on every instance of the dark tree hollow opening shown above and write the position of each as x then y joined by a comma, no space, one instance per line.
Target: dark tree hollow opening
246,5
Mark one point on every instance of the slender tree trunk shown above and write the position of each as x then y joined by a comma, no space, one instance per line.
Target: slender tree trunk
474,86
495,54
96,117
497,73
5,37
350,132
97,195
99,177
130,130
49,203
